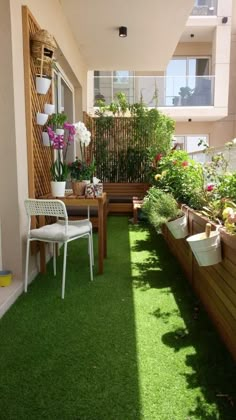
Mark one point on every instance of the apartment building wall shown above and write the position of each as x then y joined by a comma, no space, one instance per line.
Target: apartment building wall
13,156
223,66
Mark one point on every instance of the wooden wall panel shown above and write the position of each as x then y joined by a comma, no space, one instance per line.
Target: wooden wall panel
39,156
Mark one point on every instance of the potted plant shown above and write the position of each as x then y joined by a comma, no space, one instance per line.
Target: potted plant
82,169
185,93
57,121
161,207
59,168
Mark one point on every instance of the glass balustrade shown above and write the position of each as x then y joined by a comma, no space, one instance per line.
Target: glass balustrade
204,8
168,91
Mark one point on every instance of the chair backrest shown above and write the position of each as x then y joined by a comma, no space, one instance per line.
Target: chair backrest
55,208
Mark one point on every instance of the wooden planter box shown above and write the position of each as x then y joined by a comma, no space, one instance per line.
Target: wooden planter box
215,285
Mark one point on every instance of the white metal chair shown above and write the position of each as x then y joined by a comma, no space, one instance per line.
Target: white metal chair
60,232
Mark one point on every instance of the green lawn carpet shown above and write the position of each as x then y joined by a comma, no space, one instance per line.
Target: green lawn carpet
133,344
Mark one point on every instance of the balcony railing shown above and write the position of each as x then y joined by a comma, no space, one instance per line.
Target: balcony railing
205,8
161,91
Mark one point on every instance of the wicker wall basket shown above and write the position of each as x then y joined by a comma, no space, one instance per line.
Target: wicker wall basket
43,46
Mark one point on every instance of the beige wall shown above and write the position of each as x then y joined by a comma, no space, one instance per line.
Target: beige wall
13,157
193,49
223,51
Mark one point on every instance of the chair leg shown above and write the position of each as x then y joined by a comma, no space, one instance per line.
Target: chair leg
90,256
92,247
27,264
64,271
54,258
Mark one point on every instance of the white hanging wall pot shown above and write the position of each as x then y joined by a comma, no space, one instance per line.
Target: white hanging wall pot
179,227
49,109
41,118
60,131
46,140
42,84
207,250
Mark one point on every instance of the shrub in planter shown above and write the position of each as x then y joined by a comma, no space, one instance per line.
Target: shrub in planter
160,207
182,177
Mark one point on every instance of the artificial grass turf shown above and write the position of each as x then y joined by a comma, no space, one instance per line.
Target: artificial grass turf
130,345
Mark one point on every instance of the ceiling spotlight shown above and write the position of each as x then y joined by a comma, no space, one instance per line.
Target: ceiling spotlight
122,31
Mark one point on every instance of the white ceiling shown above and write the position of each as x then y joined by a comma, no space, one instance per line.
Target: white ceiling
154,29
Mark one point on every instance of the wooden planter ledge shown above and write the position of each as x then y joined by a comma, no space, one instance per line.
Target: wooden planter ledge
216,284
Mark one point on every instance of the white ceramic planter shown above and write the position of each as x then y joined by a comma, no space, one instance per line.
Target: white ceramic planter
207,250
46,140
49,109
179,227
58,188
42,84
60,131
41,118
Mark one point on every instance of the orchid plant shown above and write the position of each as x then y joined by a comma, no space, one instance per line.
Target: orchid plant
82,168
60,143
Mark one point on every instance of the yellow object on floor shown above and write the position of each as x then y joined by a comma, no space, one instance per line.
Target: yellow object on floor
5,278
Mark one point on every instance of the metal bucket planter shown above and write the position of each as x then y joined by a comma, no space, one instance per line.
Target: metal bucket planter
207,250
179,227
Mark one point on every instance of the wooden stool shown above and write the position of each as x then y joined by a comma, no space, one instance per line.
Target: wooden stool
137,204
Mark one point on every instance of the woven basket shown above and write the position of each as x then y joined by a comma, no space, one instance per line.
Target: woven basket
43,46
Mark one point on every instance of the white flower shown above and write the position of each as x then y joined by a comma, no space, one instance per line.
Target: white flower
82,135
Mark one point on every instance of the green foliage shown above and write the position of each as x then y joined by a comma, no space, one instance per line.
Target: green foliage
227,186
59,170
123,104
57,120
81,170
183,177
126,152
160,207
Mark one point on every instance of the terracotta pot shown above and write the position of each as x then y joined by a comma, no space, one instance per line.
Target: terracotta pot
78,187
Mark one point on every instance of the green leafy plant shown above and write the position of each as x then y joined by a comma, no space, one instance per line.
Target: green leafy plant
160,207
181,176
81,170
57,120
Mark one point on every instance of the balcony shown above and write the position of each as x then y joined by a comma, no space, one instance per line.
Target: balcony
205,8
161,91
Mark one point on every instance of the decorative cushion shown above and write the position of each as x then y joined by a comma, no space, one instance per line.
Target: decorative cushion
56,231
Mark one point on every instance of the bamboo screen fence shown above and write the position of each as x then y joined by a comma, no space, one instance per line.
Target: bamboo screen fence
119,147
39,156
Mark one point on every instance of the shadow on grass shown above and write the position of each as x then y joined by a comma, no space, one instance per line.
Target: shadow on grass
73,359
213,370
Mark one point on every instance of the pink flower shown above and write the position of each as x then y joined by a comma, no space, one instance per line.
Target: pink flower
210,187
184,163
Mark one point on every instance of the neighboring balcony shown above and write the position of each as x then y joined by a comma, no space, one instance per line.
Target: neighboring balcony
205,8
181,97
161,91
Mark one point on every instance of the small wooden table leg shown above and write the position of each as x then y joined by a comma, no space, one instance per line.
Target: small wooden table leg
135,214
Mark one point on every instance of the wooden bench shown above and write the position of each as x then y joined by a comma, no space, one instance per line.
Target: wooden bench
121,194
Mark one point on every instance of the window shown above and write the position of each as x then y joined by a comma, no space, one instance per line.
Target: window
63,94
190,143
108,83
186,75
